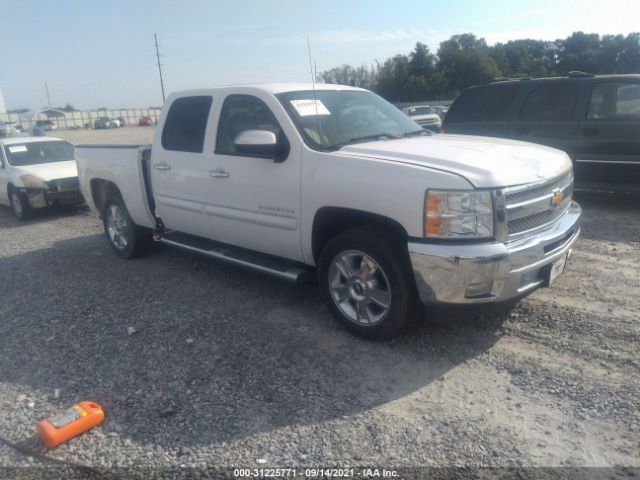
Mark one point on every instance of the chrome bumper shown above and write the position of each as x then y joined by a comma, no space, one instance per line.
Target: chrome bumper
491,272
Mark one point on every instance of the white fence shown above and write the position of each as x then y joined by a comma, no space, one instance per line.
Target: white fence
82,119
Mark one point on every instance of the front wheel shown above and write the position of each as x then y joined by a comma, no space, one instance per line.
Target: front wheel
126,238
20,205
367,283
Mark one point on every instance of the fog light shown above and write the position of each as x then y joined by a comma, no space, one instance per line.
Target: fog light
479,289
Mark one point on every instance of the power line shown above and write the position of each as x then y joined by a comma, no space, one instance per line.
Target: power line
159,67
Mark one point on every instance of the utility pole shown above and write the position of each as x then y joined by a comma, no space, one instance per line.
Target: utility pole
159,67
46,88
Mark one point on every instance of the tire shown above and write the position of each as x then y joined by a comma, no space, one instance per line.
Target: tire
126,238
366,280
20,204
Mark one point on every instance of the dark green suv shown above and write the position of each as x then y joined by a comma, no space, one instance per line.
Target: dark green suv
595,119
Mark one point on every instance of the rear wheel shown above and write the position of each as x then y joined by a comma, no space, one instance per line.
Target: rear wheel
366,282
126,238
20,204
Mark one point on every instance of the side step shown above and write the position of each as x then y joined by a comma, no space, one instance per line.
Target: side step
275,266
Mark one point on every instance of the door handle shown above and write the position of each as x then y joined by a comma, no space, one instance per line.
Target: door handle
588,132
162,166
219,173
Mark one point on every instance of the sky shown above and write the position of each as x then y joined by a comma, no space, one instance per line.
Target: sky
100,53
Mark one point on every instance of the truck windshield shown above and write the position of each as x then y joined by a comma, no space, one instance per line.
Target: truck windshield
330,119
34,153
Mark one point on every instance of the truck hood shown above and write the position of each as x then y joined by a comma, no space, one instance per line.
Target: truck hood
485,162
50,171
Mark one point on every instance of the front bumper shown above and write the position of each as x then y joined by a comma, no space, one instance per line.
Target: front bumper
44,198
491,272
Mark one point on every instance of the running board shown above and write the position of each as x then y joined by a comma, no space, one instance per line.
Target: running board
275,266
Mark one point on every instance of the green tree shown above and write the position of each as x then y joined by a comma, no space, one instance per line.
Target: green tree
580,51
524,58
464,60
393,76
362,76
629,55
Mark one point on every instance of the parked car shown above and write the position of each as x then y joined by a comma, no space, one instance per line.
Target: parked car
115,123
104,122
146,121
36,172
441,111
12,128
425,116
595,119
332,181
46,125
122,121
7,129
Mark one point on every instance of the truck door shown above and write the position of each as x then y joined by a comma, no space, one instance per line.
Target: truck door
609,136
179,166
254,202
547,116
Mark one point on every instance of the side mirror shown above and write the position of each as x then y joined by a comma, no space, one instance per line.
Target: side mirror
261,143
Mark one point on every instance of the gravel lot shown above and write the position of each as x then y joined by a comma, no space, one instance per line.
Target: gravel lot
231,368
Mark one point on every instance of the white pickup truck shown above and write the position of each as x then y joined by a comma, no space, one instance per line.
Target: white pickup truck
299,180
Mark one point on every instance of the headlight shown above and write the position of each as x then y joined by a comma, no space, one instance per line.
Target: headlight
31,181
458,214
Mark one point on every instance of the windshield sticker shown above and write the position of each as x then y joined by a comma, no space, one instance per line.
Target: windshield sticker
310,107
17,149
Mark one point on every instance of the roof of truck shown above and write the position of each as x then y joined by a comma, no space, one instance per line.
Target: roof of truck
275,88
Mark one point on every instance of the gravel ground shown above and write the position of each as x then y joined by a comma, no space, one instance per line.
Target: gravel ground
199,364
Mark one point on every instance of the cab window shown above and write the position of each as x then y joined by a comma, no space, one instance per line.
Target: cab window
186,124
240,113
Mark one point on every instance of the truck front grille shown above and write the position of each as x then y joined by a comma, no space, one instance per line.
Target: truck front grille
532,207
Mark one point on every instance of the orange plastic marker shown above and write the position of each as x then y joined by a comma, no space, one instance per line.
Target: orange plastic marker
72,422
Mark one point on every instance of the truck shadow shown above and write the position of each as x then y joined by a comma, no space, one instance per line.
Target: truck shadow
183,349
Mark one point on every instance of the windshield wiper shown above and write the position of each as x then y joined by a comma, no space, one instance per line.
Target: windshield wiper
374,136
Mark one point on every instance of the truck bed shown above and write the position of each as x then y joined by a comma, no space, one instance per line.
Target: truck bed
125,167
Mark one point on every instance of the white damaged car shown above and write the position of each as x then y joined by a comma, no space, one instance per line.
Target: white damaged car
37,172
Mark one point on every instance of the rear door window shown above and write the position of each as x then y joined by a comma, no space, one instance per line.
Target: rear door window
550,103
614,100
186,124
483,104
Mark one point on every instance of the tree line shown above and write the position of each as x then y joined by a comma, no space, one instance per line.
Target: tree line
465,60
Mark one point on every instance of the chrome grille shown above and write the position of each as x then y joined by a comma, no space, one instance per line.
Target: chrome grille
531,207
534,192
536,220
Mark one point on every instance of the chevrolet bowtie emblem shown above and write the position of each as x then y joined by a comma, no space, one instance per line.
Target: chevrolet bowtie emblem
557,199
